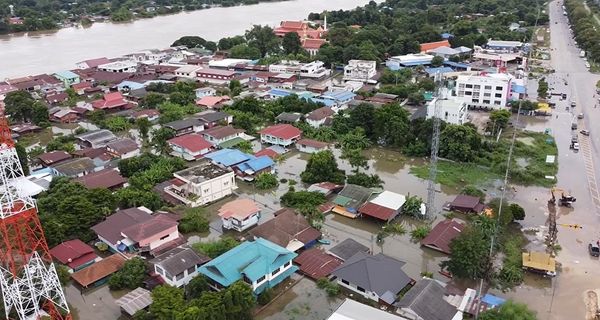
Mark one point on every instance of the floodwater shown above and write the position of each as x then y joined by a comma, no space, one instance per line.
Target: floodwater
50,51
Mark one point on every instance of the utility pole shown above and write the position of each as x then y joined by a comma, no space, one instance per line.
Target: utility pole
435,144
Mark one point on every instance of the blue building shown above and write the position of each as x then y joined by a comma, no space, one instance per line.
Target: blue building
67,77
260,263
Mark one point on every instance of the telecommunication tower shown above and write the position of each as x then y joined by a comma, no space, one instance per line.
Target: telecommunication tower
28,279
435,145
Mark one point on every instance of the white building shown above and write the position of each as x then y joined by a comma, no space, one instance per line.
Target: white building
408,60
453,110
119,66
360,70
205,92
178,266
202,184
315,69
239,214
286,66
491,91
188,71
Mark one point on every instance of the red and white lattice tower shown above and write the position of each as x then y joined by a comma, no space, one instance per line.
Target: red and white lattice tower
28,279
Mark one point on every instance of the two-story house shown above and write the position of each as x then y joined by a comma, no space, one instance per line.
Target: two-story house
239,214
219,135
190,146
319,117
260,263
68,78
178,266
280,134
202,184
123,148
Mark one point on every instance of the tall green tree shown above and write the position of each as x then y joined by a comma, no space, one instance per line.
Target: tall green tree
39,115
130,276
159,139
23,159
167,302
509,310
143,125
19,105
190,42
263,38
460,143
469,254
321,167
291,43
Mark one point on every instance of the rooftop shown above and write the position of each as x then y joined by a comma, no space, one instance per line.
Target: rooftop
286,227
353,310
202,172
239,209
106,178
284,131
73,253
192,142
135,301
426,299
220,132
74,167
228,157
110,229
442,234
49,158
67,74
96,136
348,248
317,264
177,260
99,270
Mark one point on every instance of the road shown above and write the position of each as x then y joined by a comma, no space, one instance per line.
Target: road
578,172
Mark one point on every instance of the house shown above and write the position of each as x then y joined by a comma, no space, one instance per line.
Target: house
111,101
316,264
228,158
137,230
280,134
490,92
360,70
347,249
385,206
201,184
312,46
267,152
92,63
319,117
185,126
352,310
68,78
452,111
57,98
350,199
64,115
106,178
73,168
326,188
205,92
239,214
425,47
504,46
53,157
187,71
250,169
80,87
75,254
96,138
288,117
25,128
311,146
213,118
123,148
134,301
219,135
466,204
119,67
190,146
440,237
425,301
98,273
150,114
287,229
379,278
215,76
178,266
260,263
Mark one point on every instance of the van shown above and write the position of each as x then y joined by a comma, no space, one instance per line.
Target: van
574,126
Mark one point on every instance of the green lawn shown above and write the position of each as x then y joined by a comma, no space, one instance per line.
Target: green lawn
457,175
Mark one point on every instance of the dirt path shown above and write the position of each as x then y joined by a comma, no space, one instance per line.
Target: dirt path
591,305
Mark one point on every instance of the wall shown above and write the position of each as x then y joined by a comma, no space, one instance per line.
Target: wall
214,189
155,241
366,294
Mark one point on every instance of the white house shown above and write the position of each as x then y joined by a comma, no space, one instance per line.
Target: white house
315,69
205,92
119,66
360,70
201,184
452,110
286,66
187,71
311,146
239,214
178,266
280,134
486,91
190,146
219,134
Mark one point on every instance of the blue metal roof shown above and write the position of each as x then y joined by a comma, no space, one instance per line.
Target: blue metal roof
447,35
257,164
518,88
326,102
456,64
130,84
67,74
228,157
339,95
253,259
493,300
279,92
433,71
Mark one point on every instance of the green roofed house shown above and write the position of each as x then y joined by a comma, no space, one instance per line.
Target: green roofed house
260,263
67,77
350,199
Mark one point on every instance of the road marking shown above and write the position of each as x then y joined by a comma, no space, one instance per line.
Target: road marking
590,172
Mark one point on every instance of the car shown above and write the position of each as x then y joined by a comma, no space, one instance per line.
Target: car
585,132
580,116
574,138
594,249
574,126
575,146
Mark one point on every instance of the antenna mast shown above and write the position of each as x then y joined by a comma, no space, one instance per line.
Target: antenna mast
435,145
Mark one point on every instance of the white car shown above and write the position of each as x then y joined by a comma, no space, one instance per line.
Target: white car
575,146
587,65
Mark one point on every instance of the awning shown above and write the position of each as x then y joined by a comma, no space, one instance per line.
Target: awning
539,261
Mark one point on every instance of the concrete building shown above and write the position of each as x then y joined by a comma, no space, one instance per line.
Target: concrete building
315,69
239,214
360,70
201,184
408,60
489,91
178,266
119,66
453,110
187,71
68,78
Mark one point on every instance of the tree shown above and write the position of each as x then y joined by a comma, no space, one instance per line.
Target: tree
133,197
420,232
244,146
40,115
263,38
365,180
473,191
469,255
518,213
64,276
266,181
412,206
23,159
509,310
460,143
228,43
355,158
19,105
437,61
190,42
322,167
159,139
296,199
130,276
196,287
244,51
216,248
291,43
392,125
194,220
143,125
239,301
167,301
542,88
498,121
153,100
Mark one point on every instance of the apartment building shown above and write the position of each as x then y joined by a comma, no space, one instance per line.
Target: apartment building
490,91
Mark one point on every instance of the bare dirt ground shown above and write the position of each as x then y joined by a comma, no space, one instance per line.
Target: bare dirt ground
590,297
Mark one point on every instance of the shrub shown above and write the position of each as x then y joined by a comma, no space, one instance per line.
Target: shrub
332,289
194,220
420,232
265,297
266,181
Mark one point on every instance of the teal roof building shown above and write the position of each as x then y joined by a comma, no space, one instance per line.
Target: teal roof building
260,263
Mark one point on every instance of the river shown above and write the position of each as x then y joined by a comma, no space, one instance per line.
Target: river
44,52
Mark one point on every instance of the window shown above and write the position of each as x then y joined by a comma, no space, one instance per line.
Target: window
287,264
499,88
498,95
475,101
486,101
261,279
226,183
206,190
191,270
360,289
497,102
476,86
275,271
345,282
467,93
469,86
487,94
488,87
159,270
179,276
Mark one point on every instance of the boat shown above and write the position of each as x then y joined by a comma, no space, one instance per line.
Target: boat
324,241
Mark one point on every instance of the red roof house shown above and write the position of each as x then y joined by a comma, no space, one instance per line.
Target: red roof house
107,178
55,98
74,253
313,45
267,152
290,26
96,274
111,101
190,146
280,134
211,101
434,45
311,146
316,264
53,157
442,234
79,88
466,204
